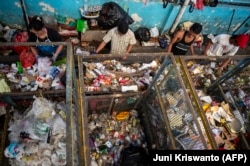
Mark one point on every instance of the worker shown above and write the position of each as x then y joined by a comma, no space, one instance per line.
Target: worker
40,33
183,40
225,45
122,40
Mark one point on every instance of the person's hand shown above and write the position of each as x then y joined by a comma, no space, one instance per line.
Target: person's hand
124,57
53,59
203,53
36,56
219,71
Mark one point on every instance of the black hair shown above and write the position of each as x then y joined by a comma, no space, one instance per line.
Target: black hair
123,27
36,23
196,28
233,40
233,37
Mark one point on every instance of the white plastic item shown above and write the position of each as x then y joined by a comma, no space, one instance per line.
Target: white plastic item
153,64
154,32
129,88
238,115
48,19
216,50
210,36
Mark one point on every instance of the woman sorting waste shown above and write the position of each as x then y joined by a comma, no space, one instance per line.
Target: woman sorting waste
40,33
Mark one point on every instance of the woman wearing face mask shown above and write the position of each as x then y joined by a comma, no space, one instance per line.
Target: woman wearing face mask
40,33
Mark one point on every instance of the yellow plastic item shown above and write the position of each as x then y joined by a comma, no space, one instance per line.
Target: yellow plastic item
122,115
205,106
4,86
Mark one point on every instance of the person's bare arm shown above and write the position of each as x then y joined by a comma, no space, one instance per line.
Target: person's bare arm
100,47
207,47
129,48
223,66
58,51
177,36
197,39
192,49
34,51
225,63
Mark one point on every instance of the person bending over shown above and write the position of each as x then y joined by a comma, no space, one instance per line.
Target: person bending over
122,40
182,41
39,33
225,45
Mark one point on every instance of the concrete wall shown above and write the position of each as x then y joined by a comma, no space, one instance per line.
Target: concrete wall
230,16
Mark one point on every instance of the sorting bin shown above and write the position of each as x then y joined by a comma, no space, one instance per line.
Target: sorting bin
68,95
204,81
165,112
3,131
15,59
183,124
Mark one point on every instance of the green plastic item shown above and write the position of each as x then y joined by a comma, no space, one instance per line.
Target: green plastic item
131,100
72,24
19,68
60,62
61,19
80,25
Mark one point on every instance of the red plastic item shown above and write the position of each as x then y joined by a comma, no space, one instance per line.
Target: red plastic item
27,58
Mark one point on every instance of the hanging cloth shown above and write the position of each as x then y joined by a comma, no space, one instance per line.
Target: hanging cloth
199,5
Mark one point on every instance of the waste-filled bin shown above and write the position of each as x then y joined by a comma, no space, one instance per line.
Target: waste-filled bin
66,114
220,96
158,114
3,128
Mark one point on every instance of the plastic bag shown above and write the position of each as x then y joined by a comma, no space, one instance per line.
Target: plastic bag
44,66
133,155
20,36
14,150
142,34
154,32
81,26
43,110
163,42
27,58
111,14
59,126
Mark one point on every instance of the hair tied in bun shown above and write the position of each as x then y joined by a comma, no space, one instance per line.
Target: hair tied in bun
38,18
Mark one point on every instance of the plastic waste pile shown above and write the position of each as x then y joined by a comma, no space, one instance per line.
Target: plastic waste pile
41,75
112,75
225,120
38,136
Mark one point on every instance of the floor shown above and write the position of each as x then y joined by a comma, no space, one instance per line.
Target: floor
138,48
151,49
